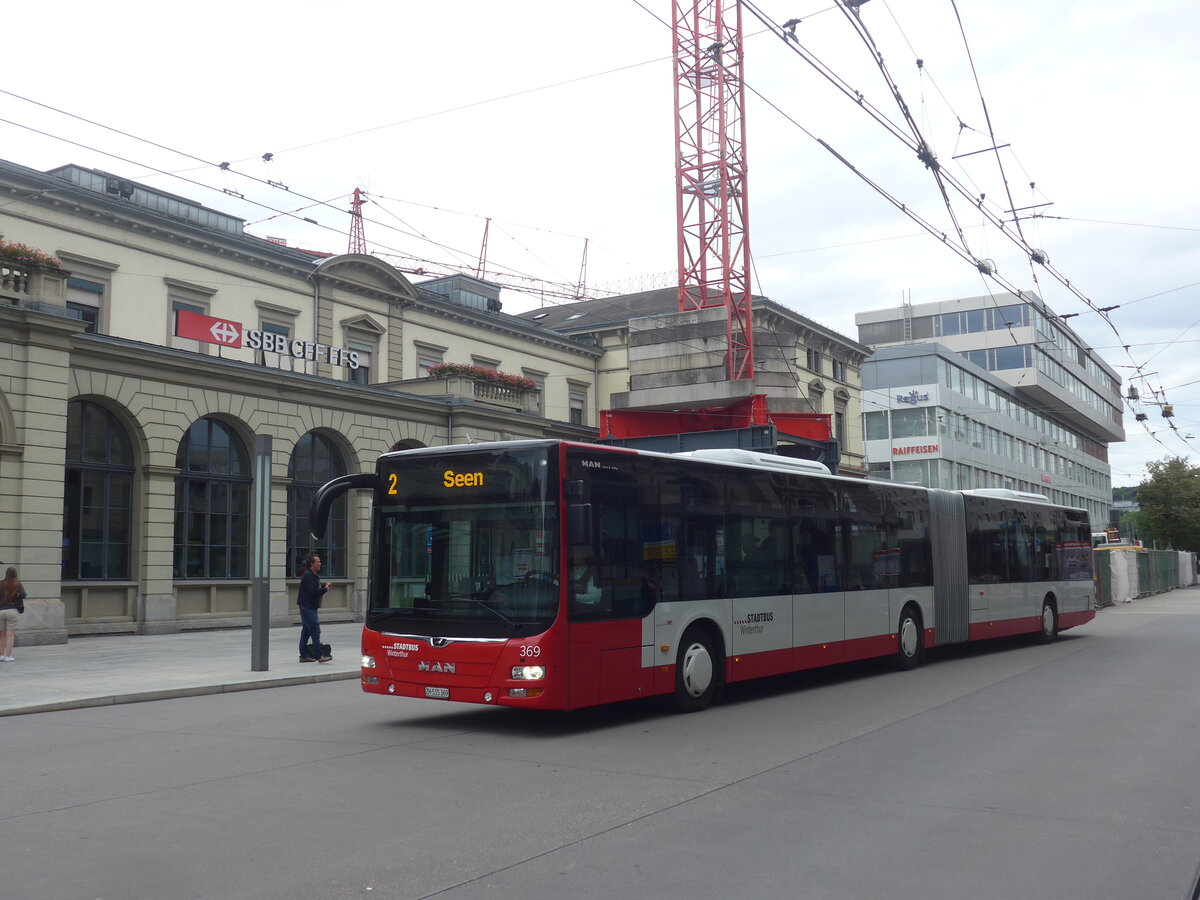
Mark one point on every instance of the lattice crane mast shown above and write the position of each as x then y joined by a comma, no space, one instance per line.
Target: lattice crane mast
358,239
710,170
714,243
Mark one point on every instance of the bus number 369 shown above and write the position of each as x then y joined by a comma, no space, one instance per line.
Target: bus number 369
530,651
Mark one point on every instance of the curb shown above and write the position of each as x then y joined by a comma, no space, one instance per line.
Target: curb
175,693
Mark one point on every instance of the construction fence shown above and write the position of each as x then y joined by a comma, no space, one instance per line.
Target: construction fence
1124,573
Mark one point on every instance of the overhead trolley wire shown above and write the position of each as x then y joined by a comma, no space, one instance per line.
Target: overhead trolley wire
988,119
923,148
533,284
916,145
962,249
225,167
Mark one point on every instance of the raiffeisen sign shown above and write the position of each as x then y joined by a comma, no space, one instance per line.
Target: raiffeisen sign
225,333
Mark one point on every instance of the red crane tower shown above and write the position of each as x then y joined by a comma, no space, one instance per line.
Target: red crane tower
713,232
358,240
710,169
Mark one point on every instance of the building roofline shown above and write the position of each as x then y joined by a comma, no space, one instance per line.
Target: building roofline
51,189
986,301
616,311
504,322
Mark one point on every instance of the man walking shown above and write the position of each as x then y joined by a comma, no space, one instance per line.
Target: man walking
309,601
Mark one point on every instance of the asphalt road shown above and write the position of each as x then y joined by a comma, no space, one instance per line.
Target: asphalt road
1008,771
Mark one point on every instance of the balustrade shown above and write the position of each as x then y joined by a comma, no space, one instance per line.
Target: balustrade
15,280
28,284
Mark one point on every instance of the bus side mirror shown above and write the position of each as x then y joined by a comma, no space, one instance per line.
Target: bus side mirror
322,500
579,523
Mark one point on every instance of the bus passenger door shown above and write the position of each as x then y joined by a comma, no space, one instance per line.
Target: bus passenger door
818,595
987,551
869,565
818,627
606,647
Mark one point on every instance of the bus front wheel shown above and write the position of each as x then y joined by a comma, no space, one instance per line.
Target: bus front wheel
1049,622
908,639
695,671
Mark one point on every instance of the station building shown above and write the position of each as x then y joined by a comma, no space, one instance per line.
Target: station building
148,347
127,439
993,391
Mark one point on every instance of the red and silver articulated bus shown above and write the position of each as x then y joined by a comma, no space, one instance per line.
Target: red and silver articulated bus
557,575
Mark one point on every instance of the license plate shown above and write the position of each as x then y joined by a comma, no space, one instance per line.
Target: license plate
435,693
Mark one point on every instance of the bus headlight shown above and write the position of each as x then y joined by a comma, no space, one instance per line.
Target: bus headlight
368,662
528,673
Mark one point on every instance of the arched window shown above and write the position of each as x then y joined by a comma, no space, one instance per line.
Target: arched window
97,496
212,504
315,461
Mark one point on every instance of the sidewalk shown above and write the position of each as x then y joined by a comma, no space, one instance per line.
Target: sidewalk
109,669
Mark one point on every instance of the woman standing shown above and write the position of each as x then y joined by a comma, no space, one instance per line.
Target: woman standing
12,602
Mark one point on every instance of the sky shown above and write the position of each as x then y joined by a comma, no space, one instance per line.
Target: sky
550,124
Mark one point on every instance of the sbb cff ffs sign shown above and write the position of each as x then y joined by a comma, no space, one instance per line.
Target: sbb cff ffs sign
199,327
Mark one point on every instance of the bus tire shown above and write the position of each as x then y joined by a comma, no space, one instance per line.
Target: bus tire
696,671
909,643
1049,629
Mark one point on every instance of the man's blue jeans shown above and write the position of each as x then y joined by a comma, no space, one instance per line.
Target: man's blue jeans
310,630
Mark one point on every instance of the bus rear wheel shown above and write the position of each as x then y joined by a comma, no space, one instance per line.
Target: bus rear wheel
908,639
1049,629
695,671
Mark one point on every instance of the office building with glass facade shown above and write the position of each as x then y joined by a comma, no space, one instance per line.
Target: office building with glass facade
989,392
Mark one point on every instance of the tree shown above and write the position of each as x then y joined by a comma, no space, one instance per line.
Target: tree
1132,527
1170,503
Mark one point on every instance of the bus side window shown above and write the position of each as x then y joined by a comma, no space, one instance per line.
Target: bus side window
813,541
691,582
632,540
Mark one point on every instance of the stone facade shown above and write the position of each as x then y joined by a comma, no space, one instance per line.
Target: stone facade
157,394
136,267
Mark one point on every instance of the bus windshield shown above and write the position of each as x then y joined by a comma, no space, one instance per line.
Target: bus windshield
468,543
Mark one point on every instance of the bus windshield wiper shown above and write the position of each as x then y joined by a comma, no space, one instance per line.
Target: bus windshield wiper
511,623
